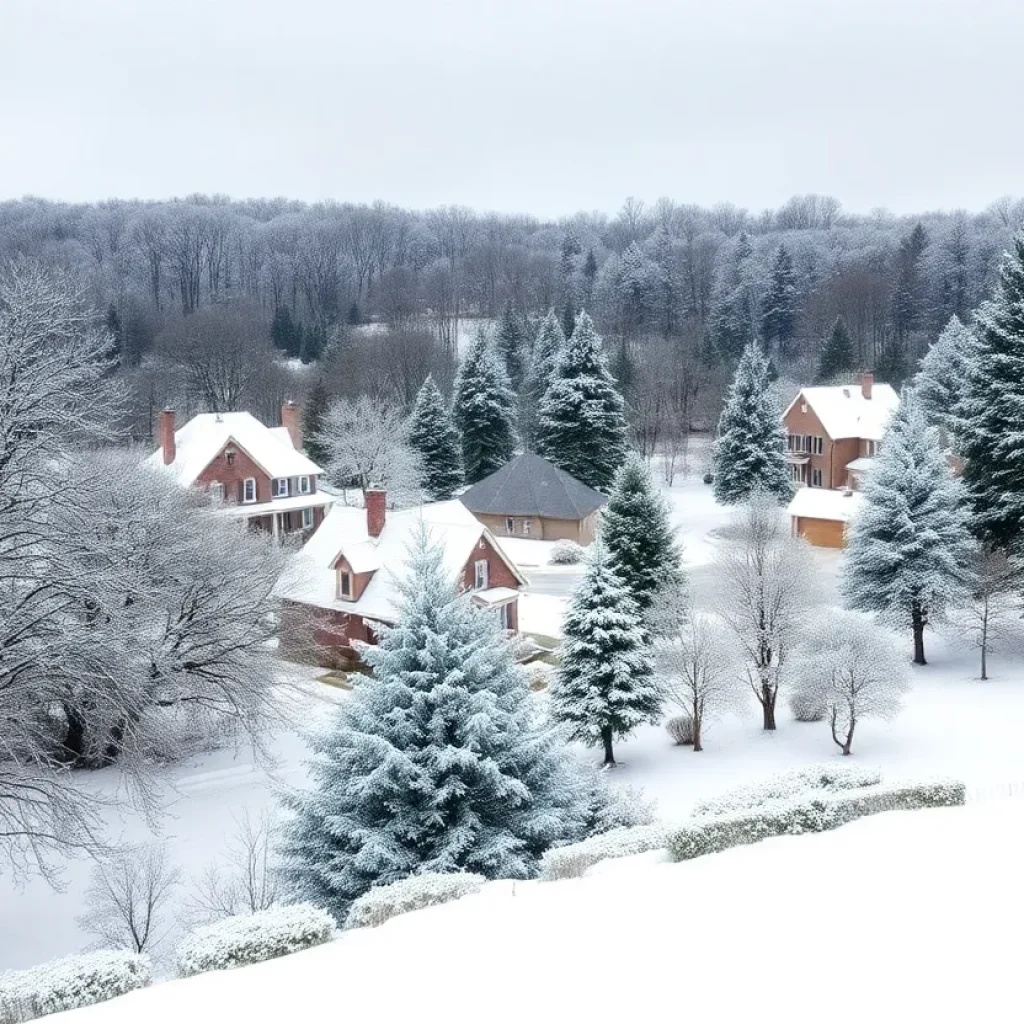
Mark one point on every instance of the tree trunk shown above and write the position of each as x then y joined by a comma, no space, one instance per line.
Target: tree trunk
74,737
917,623
849,739
606,739
984,660
696,734
768,696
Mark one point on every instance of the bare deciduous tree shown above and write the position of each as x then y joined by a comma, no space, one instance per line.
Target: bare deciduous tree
992,617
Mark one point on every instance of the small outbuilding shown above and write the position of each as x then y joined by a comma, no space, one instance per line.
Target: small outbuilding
821,516
529,497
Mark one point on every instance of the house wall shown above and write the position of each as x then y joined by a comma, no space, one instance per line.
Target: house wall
232,475
498,573
498,526
836,455
542,528
320,636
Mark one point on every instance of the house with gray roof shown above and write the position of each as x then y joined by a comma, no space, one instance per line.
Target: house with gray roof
529,497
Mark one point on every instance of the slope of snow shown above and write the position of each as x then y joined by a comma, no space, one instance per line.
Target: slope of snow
904,916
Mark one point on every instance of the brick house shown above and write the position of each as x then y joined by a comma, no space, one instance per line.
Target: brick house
341,586
832,436
258,473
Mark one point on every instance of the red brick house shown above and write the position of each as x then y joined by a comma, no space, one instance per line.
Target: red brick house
832,436
341,587
259,473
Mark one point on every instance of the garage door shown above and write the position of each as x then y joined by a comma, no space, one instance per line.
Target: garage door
825,533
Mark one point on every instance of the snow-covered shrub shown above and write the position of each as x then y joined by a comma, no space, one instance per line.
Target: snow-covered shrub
787,785
680,728
427,890
807,706
539,674
709,478
252,938
566,552
619,807
70,983
814,812
573,860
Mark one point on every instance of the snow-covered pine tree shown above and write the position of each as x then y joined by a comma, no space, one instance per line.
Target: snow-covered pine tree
836,356
547,350
750,449
779,312
939,384
484,411
909,550
991,411
512,343
582,425
732,318
314,410
433,435
635,529
438,762
605,686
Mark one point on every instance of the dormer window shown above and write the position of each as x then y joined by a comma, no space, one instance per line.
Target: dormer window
249,490
229,455
281,487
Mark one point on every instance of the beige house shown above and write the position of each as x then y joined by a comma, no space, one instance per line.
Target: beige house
529,497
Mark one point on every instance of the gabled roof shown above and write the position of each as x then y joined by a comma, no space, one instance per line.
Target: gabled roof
820,503
845,412
531,486
311,578
200,440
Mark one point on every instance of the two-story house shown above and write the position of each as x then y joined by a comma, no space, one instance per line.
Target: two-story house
341,586
256,472
832,436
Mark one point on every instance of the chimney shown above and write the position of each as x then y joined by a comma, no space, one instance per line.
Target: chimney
376,501
291,420
167,436
867,380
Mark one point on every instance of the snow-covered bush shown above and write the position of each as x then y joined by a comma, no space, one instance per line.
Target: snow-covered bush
619,807
70,983
427,890
680,728
252,938
573,860
566,552
807,706
787,785
814,812
539,674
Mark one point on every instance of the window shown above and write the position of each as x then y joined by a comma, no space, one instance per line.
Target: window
249,489
480,575
229,455
526,527
217,490
307,518
798,474
870,448
817,446
815,477
303,485
281,487
510,525
504,616
344,583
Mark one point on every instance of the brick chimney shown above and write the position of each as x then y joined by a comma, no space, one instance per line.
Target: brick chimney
291,420
867,381
166,433
376,501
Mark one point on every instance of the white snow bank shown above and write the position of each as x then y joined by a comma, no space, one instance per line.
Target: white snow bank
899,916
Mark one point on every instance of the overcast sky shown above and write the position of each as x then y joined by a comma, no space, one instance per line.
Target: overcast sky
540,106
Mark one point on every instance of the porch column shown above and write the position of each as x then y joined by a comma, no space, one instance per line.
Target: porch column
275,524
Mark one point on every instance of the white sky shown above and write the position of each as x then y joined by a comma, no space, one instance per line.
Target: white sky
539,106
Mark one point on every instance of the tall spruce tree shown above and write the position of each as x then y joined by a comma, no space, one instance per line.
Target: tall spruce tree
605,685
512,343
779,312
582,425
909,547
314,410
837,356
990,414
750,449
547,350
433,435
635,529
732,319
484,411
939,384
437,762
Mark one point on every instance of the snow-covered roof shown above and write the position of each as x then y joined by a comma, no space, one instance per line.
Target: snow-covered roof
311,578
820,503
200,440
861,465
845,412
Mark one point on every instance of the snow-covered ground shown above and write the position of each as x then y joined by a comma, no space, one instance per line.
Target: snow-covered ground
904,916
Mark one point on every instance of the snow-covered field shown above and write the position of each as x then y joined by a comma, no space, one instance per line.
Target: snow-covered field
904,916
952,725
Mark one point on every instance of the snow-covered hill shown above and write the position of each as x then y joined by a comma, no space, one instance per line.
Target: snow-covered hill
904,916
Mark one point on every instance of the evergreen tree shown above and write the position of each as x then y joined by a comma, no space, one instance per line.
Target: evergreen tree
314,410
314,341
836,357
283,331
605,685
635,529
750,449
991,412
568,320
891,365
112,322
939,384
547,350
433,435
778,318
582,424
909,546
512,344
908,300
589,274
732,319
484,411
438,762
